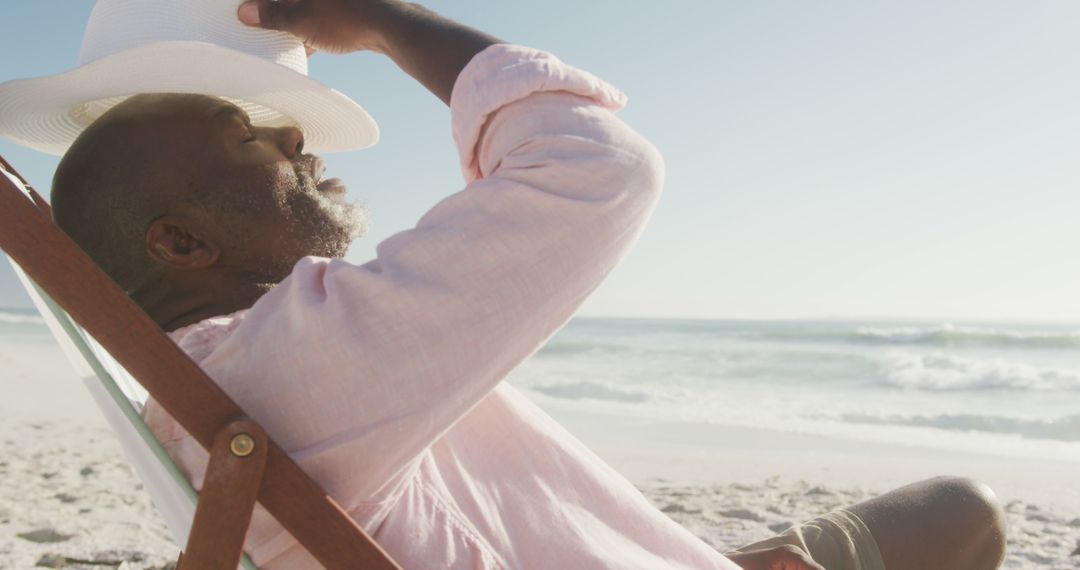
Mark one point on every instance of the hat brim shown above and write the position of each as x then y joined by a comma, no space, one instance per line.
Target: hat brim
49,113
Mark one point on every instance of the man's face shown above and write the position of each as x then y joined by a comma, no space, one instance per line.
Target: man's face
264,200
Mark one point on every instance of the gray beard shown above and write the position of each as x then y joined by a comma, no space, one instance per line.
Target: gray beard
329,227
325,227
332,225
321,226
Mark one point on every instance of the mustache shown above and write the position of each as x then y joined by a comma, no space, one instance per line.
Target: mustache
304,165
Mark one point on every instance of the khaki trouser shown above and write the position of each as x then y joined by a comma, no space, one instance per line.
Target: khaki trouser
837,541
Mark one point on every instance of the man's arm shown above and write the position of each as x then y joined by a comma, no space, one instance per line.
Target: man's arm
425,45
379,360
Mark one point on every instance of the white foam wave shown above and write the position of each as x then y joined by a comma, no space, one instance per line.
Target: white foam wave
949,334
940,372
591,391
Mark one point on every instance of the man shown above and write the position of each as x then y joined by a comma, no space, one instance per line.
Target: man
383,381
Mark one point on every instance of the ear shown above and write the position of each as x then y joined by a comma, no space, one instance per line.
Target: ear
169,243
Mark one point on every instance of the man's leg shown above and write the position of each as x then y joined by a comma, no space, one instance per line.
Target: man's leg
946,523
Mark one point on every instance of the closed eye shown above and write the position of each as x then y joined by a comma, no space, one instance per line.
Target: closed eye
250,129
236,115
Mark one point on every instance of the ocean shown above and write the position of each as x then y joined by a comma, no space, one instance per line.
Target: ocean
1003,390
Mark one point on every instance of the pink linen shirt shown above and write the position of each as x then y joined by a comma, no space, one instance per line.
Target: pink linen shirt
384,381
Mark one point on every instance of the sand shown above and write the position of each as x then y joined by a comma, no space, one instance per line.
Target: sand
732,486
727,516
69,500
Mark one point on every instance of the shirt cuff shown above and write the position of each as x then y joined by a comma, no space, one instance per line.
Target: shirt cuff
502,74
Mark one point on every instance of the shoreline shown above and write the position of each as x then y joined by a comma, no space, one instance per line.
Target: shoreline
705,454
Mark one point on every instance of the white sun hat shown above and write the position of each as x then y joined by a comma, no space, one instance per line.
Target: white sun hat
182,46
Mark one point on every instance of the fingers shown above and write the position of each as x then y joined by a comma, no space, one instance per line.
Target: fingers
268,14
249,13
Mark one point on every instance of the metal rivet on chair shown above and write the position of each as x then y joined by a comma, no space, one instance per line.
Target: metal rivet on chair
242,445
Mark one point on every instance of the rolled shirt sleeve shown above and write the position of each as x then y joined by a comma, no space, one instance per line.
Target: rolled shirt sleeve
356,369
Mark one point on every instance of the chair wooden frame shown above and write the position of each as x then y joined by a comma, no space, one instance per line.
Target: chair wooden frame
245,465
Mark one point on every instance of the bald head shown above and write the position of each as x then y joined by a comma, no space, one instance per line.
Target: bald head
114,179
166,188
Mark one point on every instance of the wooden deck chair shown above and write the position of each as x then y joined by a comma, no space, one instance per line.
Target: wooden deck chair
122,356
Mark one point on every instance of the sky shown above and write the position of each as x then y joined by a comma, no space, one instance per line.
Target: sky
830,159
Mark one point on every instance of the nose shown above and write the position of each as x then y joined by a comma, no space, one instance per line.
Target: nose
290,140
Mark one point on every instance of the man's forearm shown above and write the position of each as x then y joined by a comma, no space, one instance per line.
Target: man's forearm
427,46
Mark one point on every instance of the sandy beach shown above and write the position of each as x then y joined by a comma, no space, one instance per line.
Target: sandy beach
736,485
69,500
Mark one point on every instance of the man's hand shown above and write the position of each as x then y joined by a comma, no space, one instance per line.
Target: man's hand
335,26
781,558
425,45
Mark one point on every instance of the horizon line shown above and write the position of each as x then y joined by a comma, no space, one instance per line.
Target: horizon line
804,318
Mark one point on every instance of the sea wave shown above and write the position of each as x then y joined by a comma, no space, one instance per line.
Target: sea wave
1066,428
949,335
11,317
640,349
562,348
941,372
944,335
591,391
